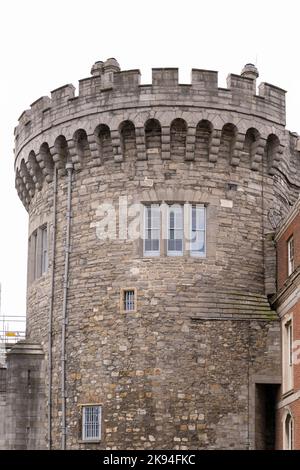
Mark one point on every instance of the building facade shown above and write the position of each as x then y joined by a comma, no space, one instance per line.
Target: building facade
151,262
287,304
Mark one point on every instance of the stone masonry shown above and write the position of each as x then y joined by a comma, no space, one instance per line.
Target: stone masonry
180,371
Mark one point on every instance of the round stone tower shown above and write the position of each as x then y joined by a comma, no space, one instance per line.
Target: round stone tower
151,258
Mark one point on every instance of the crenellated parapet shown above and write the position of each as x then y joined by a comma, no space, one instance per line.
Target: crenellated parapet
114,115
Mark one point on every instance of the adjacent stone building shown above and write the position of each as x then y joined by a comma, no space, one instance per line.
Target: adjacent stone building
152,211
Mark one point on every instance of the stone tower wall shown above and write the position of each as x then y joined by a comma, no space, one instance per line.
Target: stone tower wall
180,371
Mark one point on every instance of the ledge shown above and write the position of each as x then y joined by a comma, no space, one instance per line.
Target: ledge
26,347
89,442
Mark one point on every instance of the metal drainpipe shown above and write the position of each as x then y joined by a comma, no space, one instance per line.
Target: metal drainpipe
51,306
69,168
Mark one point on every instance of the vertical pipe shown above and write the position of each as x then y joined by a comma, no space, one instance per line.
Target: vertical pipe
248,380
53,249
69,168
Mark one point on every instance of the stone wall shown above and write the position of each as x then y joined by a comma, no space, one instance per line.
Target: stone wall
2,407
25,423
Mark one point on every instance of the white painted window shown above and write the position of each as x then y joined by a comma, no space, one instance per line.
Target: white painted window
288,432
91,423
287,356
152,230
291,264
175,230
198,230
44,251
182,227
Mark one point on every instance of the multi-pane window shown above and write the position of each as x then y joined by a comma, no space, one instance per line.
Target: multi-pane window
288,432
38,253
152,230
198,230
129,300
91,423
291,263
175,230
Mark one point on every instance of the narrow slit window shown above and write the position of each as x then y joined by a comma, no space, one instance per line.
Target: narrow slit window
34,252
288,357
44,254
91,423
291,263
289,331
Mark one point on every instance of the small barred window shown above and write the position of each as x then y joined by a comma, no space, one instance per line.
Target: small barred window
128,300
91,423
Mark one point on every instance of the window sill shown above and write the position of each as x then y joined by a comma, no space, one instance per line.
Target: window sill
39,278
89,442
151,255
196,255
174,255
287,394
129,311
181,255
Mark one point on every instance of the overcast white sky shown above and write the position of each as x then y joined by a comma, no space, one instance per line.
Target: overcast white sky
46,44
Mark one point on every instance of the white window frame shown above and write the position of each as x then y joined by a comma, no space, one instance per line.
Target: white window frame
164,230
197,252
287,355
146,229
291,255
170,208
84,436
288,432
